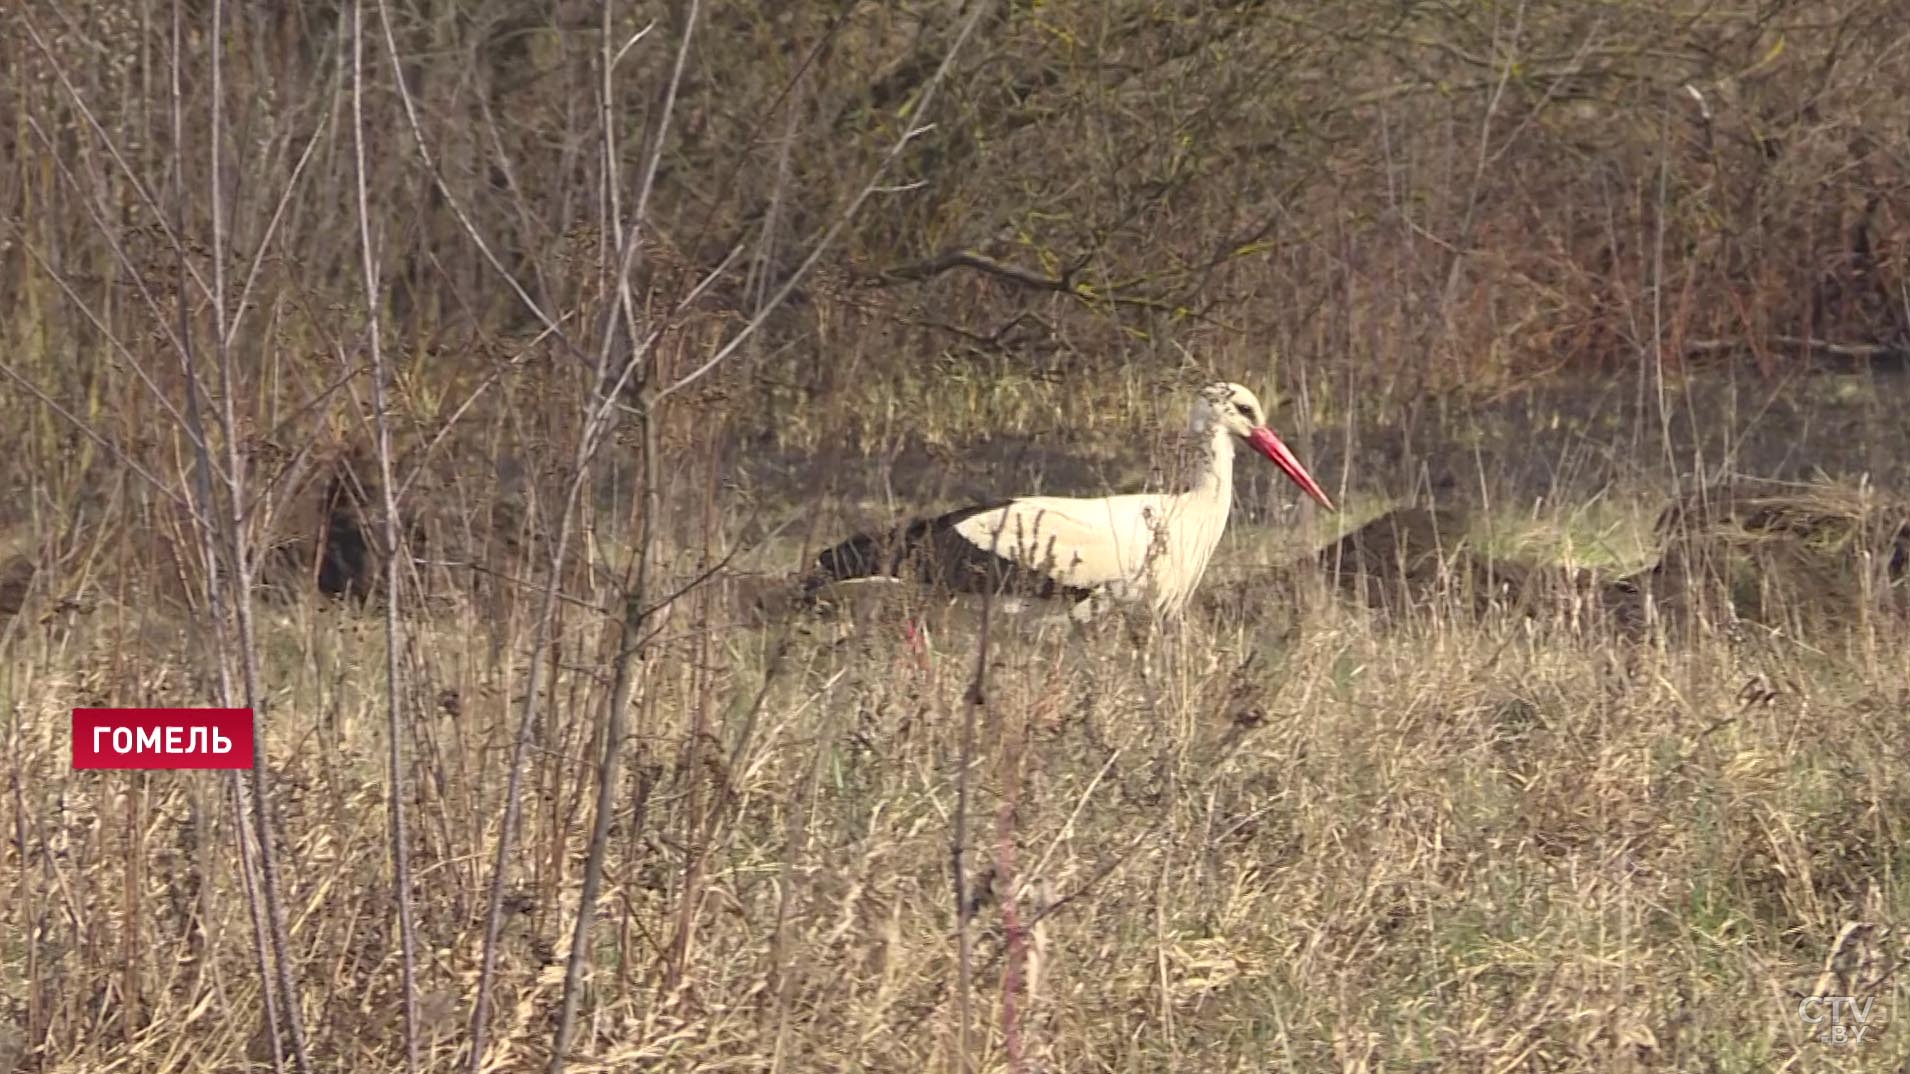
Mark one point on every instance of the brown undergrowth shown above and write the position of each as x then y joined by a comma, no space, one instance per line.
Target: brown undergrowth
1435,834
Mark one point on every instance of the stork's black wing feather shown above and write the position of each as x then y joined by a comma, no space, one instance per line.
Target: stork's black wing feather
931,551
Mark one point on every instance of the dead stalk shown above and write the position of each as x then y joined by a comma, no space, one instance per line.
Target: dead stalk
395,791
222,534
974,704
626,671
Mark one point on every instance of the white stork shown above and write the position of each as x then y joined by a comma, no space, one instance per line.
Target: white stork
1150,547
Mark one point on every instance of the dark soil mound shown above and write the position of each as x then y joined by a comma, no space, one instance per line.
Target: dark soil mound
1418,556
1413,550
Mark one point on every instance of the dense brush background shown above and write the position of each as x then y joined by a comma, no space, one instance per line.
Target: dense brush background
1546,266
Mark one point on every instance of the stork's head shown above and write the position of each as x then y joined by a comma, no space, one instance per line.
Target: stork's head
1235,409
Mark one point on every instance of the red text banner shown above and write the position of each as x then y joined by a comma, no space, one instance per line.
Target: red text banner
162,738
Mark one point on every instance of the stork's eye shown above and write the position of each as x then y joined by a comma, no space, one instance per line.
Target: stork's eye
1245,410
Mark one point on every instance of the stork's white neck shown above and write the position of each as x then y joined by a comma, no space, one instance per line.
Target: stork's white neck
1195,518
1209,476
1220,463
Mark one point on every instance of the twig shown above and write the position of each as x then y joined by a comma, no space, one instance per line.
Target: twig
520,746
223,536
146,197
1014,933
86,429
949,260
629,236
627,668
138,278
380,402
1067,283
628,659
973,704
1864,351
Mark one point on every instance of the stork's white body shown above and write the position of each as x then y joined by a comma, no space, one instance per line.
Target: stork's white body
1151,547
1136,547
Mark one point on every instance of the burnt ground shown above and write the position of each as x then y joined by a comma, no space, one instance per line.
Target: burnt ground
1559,440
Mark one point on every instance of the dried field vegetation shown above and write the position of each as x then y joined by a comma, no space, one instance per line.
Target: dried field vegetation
1323,838
1562,752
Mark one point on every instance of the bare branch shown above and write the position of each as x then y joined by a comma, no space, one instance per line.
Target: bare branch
395,790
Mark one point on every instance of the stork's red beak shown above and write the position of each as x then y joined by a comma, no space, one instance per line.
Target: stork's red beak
1267,444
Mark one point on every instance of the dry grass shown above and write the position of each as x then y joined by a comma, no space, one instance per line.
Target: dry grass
1448,843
